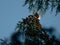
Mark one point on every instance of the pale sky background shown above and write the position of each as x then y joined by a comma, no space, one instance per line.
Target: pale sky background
12,11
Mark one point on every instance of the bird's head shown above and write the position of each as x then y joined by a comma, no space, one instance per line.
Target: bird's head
37,16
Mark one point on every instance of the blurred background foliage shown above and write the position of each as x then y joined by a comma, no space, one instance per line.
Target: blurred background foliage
43,5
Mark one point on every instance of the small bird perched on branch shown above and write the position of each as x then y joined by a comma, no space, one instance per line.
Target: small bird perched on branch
36,15
35,19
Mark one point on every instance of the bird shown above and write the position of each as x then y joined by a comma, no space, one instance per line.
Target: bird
36,15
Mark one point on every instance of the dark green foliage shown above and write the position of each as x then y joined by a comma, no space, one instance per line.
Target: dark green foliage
3,42
35,36
14,39
43,5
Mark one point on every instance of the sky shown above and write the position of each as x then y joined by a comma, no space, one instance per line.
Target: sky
12,11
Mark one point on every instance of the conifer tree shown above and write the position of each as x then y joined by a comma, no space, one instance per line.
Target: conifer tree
34,32
29,31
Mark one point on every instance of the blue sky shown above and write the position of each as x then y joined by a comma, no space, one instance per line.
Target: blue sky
12,11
